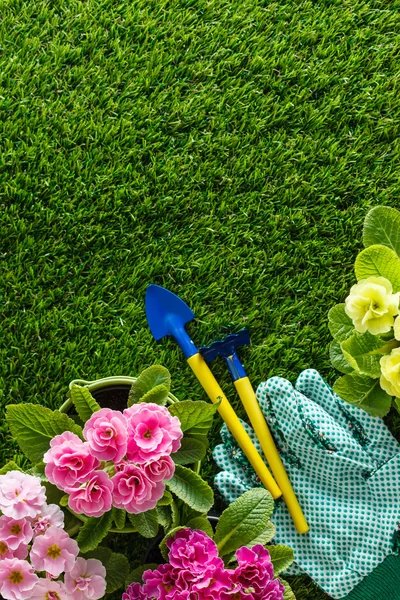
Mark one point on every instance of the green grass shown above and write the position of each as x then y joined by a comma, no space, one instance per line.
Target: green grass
228,150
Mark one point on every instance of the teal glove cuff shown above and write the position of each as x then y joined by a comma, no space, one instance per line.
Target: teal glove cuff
383,582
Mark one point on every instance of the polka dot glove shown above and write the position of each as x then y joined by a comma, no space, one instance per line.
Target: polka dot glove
344,466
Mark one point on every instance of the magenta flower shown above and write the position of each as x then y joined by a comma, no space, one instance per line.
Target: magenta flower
46,589
160,582
17,579
162,469
87,579
107,435
152,432
15,531
69,461
94,497
193,550
134,592
21,495
134,491
51,515
256,573
54,552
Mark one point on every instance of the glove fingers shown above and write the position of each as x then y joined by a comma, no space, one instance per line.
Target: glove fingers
229,486
371,433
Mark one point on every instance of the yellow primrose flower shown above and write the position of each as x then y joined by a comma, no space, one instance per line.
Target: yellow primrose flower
372,306
396,328
390,378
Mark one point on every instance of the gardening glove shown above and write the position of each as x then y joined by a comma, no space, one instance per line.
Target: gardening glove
344,466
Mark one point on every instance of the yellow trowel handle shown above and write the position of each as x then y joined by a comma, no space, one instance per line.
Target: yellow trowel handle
214,392
257,419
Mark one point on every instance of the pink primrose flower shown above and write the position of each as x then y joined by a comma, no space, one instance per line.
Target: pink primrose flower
87,579
69,461
46,589
54,552
134,491
256,573
94,497
134,592
152,432
193,550
17,579
15,531
107,435
51,515
162,469
21,495
160,582
5,550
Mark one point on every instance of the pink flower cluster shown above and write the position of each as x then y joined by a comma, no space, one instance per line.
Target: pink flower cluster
32,539
195,572
133,447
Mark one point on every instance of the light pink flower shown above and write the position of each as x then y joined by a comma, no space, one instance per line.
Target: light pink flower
161,469
153,432
54,552
15,531
87,579
17,579
21,495
5,550
134,491
46,589
93,498
69,461
107,435
51,515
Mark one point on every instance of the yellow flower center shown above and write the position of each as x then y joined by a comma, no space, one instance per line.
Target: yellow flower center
3,548
15,577
15,529
147,434
53,551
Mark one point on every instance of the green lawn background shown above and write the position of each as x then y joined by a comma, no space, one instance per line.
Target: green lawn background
226,150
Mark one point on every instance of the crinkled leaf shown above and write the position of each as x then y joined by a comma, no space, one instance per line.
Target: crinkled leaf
119,517
150,378
53,494
157,395
397,404
363,352
116,565
175,514
163,544
165,500
244,520
288,594
146,523
83,401
379,261
10,466
164,515
340,324
191,488
337,358
264,537
382,226
281,557
34,426
94,530
136,574
190,451
201,523
364,392
195,417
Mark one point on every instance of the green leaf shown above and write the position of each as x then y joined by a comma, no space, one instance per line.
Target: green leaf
281,557
190,451
264,537
93,531
116,565
164,514
382,226
191,488
137,574
34,426
119,517
195,417
364,392
340,324
146,523
166,499
53,494
363,352
64,500
38,471
157,395
337,358
288,593
163,544
10,466
201,523
379,261
84,402
150,378
175,514
244,520
397,404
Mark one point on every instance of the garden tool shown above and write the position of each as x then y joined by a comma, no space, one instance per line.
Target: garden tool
344,466
227,349
167,315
